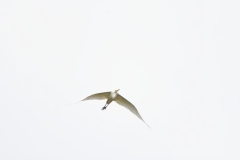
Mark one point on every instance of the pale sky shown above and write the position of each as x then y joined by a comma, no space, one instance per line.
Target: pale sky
178,62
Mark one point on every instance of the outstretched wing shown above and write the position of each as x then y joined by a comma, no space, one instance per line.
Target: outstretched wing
125,103
98,96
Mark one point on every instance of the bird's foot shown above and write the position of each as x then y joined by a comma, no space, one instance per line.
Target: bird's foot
104,108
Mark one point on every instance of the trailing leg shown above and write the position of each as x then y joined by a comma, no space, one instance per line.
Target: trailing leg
105,107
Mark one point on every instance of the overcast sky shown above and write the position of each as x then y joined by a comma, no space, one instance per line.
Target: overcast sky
178,62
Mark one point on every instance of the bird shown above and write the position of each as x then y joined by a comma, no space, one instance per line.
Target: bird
115,96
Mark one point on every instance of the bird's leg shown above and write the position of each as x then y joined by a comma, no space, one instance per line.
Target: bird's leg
105,107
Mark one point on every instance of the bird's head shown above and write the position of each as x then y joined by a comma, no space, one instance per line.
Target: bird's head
117,90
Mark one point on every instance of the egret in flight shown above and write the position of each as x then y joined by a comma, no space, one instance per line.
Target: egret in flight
114,96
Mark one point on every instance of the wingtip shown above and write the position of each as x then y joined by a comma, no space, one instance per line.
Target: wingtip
74,103
148,125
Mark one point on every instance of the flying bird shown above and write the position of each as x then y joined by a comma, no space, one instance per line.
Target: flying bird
115,96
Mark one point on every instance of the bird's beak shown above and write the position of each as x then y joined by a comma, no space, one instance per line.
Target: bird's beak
117,90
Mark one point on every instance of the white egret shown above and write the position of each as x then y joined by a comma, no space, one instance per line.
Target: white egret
114,96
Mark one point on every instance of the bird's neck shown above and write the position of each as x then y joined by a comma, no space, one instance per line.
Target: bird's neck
114,94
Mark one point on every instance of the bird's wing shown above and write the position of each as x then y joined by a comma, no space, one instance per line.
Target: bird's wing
125,103
98,96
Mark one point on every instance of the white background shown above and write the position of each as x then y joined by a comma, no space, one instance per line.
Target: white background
176,61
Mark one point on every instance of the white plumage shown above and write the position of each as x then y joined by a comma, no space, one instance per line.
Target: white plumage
114,96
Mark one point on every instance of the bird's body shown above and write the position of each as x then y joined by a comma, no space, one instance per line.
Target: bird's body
114,96
110,98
